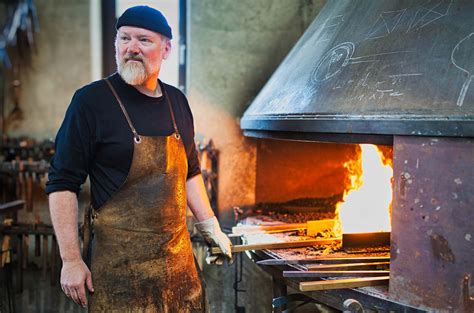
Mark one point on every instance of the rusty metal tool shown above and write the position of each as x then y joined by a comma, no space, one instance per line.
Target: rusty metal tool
37,245
312,227
244,229
347,266
343,283
278,245
12,206
358,241
324,260
26,243
468,299
45,256
275,231
22,179
54,260
28,191
364,273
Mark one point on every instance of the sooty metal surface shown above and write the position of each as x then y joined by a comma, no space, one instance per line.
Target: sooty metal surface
375,67
432,244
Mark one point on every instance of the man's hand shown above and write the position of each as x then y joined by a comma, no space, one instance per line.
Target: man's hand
212,233
74,276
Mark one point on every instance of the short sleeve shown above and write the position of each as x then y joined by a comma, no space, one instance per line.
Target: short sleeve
194,167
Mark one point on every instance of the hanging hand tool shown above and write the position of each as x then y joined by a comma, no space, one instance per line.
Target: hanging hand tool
16,113
28,191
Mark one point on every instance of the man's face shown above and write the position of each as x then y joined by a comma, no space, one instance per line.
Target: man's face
139,53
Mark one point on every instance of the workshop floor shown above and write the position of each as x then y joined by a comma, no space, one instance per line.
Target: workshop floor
39,296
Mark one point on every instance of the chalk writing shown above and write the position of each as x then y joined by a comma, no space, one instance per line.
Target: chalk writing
340,56
372,89
383,92
330,27
461,57
425,16
363,81
333,61
377,89
408,19
396,78
407,74
370,80
385,24
373,57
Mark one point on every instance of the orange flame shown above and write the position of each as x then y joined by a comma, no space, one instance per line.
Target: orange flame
366,206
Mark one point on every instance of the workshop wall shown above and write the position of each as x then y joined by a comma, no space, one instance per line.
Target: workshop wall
60,66
233,48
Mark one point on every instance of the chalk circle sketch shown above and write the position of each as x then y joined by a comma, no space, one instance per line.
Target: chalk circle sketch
333,62
462,58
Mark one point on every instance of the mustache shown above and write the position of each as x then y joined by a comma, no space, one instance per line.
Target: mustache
133,57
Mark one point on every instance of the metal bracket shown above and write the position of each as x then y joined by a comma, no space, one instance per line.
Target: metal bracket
468,300
353,306
285,301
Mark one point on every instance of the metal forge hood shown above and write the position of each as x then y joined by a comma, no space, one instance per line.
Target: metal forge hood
374,67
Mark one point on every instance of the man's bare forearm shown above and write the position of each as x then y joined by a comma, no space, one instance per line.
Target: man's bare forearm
198,201
207,225
64,210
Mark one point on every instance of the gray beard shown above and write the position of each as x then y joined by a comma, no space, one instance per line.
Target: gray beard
133,73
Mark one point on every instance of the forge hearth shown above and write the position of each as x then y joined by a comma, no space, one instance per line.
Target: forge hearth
430,218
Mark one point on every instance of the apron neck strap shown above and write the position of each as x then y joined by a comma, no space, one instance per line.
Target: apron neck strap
163,90
136,136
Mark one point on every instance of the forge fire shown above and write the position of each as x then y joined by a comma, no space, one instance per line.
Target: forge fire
366,205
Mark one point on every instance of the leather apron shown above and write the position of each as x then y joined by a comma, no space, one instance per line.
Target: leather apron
141,256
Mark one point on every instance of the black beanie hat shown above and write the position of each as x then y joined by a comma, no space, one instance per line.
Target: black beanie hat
145,17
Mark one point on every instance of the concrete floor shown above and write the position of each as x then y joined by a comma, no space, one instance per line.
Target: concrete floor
39,296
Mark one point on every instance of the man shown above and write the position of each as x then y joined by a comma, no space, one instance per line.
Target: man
133,135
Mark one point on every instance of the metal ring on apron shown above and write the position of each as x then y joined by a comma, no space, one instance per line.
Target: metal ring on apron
137,139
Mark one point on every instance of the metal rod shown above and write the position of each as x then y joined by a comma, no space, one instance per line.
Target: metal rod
279,245
367,273
347,266
343,283
323,260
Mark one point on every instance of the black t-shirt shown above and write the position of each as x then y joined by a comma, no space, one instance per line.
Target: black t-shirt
96,140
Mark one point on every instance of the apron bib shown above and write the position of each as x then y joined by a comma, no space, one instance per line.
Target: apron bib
141,256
